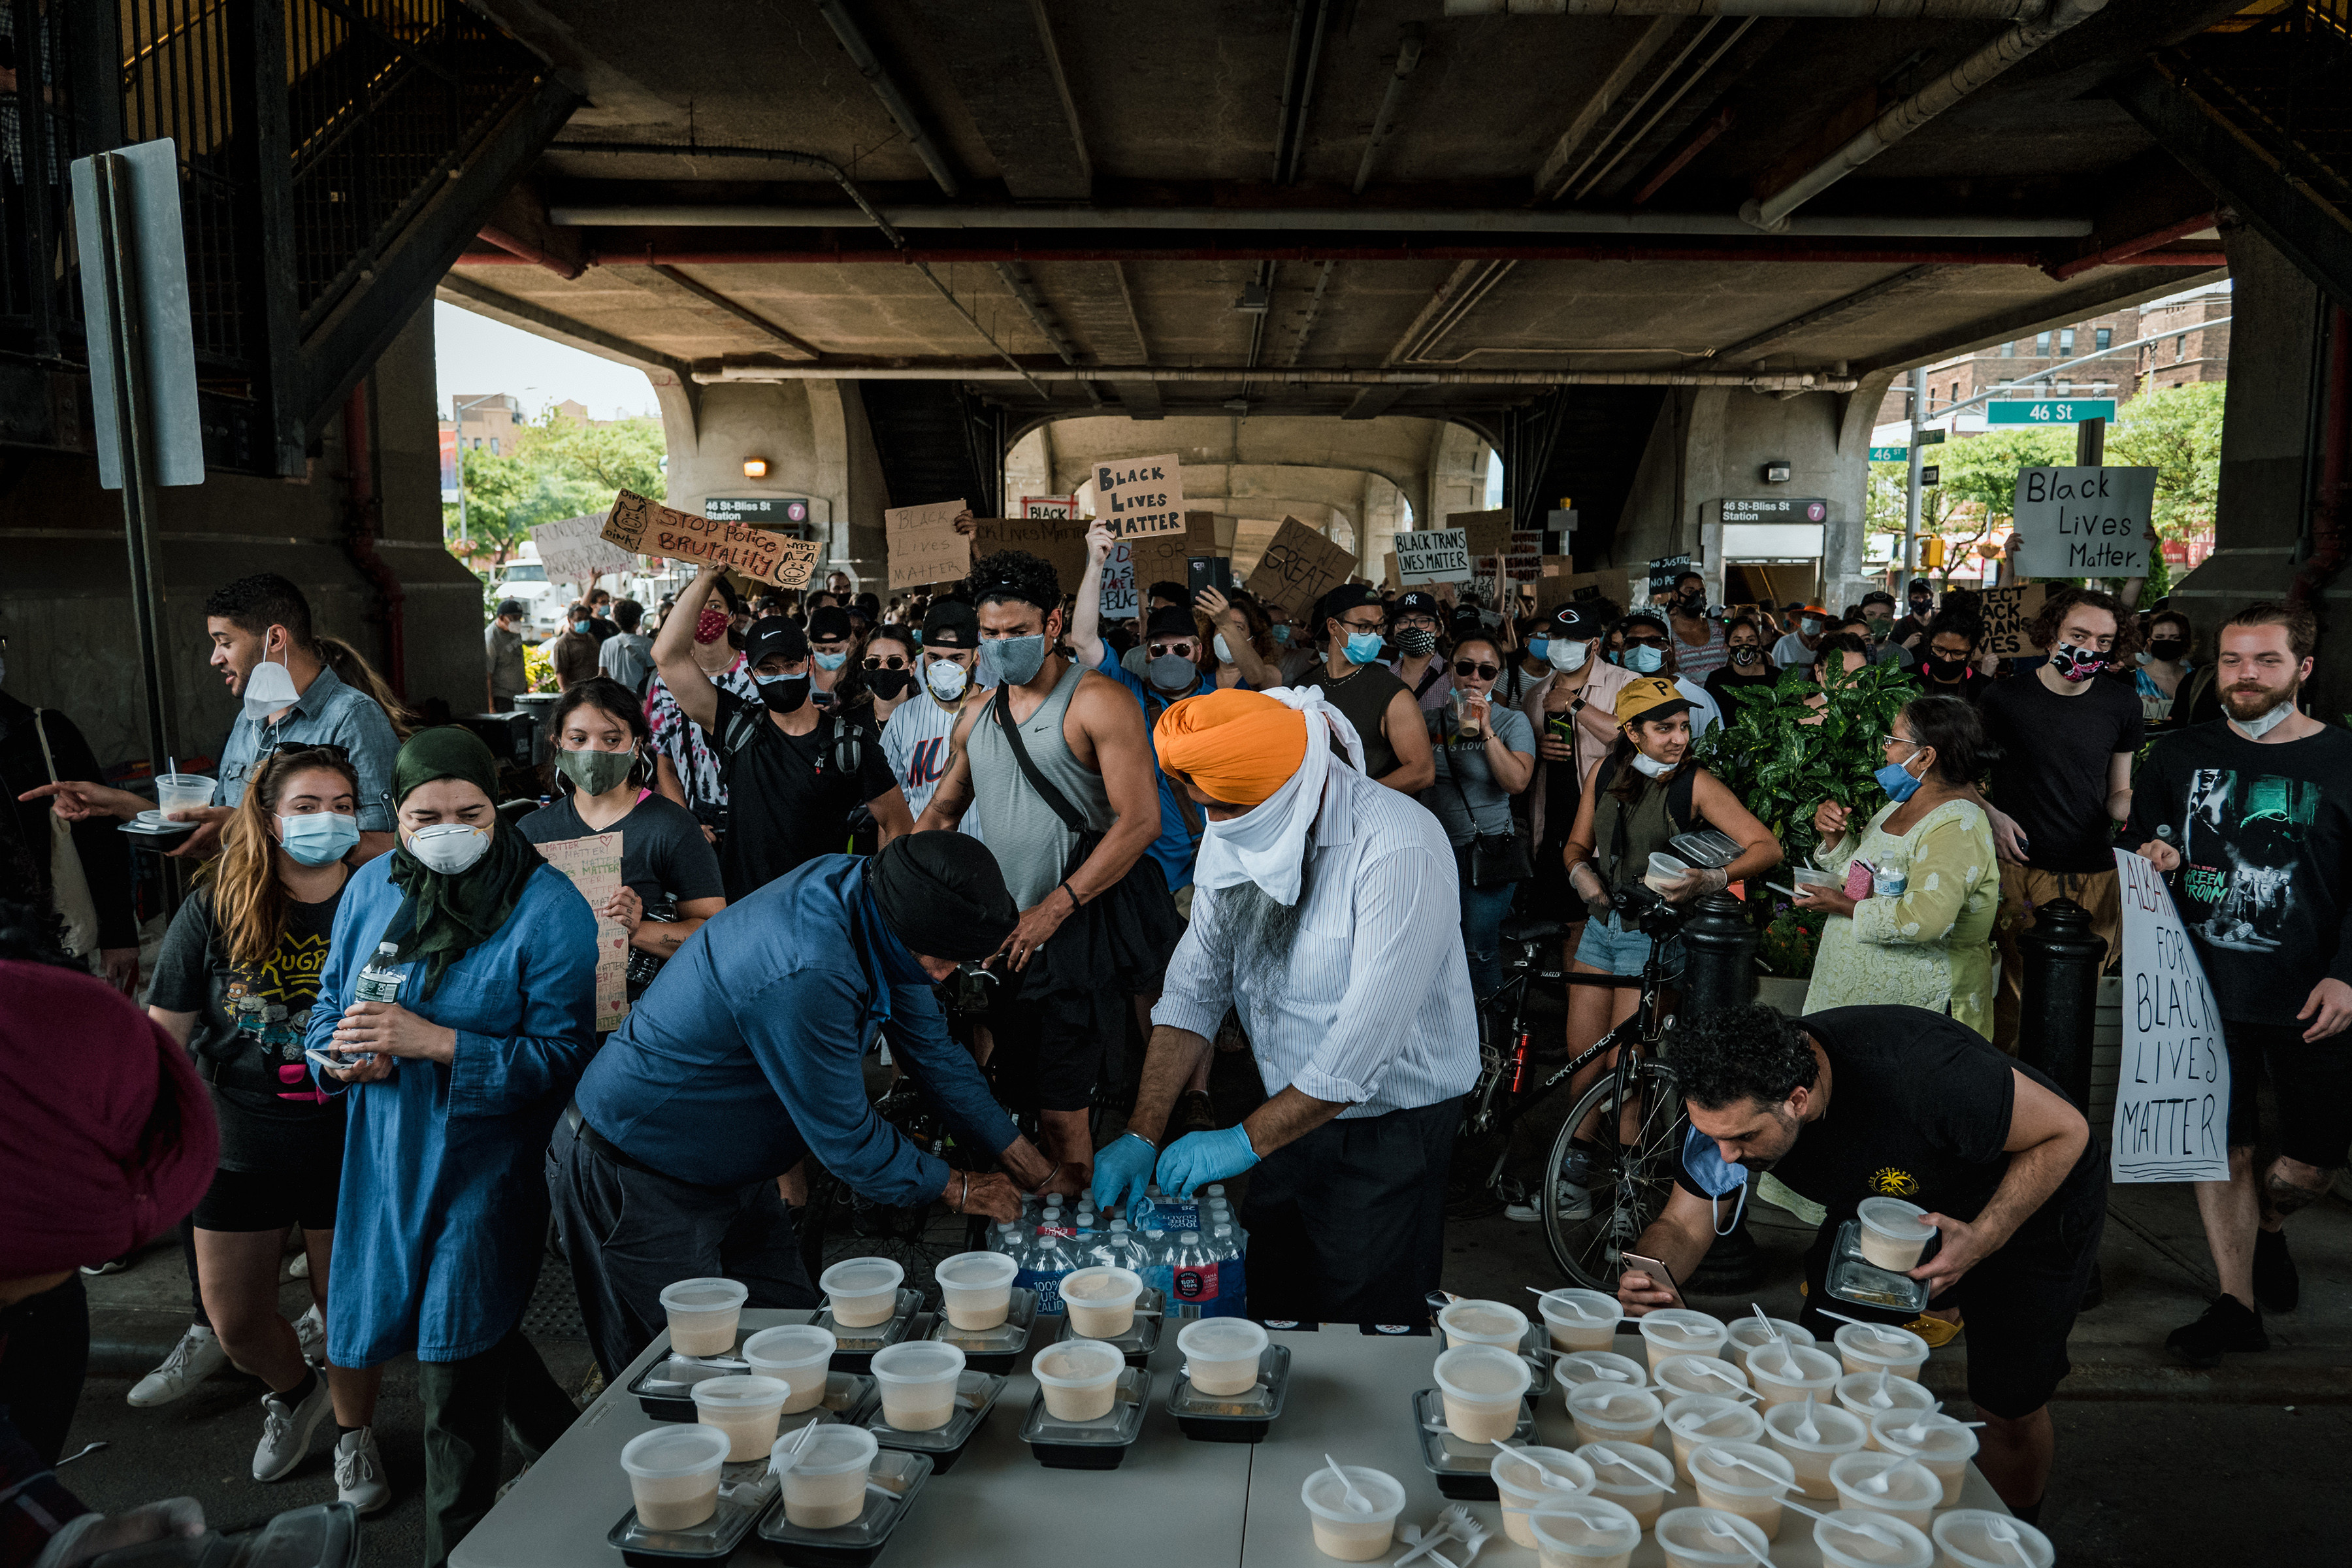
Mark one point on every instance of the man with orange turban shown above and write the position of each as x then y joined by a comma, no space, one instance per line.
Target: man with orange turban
1318,893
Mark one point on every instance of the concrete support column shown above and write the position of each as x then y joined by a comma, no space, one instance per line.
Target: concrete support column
818,447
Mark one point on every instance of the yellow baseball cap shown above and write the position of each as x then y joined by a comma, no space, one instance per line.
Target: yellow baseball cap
1649,697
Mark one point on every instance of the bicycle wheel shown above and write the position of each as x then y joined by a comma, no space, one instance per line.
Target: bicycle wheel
1631,1179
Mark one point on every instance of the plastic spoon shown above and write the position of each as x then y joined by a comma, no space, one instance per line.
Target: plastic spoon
1576,1307
1879,1331
1879,1398
1719,1530
1356,1499
1708,1366
1624,1464
1806,1427
1545,1478
2004,1533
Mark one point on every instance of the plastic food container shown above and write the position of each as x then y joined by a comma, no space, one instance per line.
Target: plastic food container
1708,1537
1078,1378
976,1289
1871,1395
861,1291
745,1409
1581,1367
1527,1478
1872,1347
1580,1319
1352,1535
1893,1233
182,792
1843,1543
1791,1373
703,1314
799,1353
919,1383
1748,1335
1912,1494
1678,1331
1482,1386
1944,1449
1698,1419
1221,1354
1736,1488
1101,1300
1604,1413
1584,1532
1837,1433
1636,1478
825,1487
674,1475
1683,1374
1980,1538
1664,872
1482,1324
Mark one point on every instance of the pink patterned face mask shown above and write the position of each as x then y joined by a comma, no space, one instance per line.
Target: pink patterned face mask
2076,664
711,627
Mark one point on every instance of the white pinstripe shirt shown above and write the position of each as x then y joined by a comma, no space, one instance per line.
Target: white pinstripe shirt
1375,1008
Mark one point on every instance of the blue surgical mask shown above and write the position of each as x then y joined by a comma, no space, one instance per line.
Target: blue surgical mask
1716,1176
1282,635
583,627
1362,647
1897,780
1539,648
1012,661
319,838
1645,658
832,660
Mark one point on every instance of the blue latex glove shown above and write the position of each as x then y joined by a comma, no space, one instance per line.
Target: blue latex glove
1198,1158
1122,1172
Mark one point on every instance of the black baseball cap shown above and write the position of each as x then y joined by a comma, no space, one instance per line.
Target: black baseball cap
1419,602
829,621
1879,596
509,607
1574,622
1171,621
1345,597
774,637
952,624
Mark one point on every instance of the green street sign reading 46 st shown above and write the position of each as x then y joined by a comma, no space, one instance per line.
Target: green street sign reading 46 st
2051,411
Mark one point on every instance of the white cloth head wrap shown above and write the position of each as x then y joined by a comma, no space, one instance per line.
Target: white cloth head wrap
1265,845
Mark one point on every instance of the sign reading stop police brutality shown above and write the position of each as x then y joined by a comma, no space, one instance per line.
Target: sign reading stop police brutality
650,528
2172,1087
1433,555
1139,497
2084,522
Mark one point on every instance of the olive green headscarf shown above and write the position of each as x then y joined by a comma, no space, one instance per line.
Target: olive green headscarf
452,914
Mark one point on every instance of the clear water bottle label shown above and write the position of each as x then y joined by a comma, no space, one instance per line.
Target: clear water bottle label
1170,1216
1047,1284
1196,1284
375,986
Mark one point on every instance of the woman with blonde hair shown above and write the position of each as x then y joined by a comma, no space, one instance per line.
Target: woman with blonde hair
235,980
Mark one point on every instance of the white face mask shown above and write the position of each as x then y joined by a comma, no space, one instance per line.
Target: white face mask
448,847
1225,649
2262,724
1650,767
1566,656
268,687
945,679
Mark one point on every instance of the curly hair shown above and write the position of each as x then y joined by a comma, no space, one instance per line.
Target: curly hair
1016,574
2044,629
1727,1055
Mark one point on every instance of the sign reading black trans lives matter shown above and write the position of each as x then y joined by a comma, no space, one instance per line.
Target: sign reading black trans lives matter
1137,498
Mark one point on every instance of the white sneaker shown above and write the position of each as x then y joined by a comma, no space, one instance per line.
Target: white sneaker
359,1472
196,1357
1575,1203
287,1430
310,1328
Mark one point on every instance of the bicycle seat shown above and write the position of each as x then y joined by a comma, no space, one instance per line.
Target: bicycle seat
1529,928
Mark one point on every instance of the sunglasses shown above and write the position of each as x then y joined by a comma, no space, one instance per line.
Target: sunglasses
886,661
1180,649
1469,671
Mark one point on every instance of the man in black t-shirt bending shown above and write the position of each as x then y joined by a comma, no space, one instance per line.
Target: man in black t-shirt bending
1860,1102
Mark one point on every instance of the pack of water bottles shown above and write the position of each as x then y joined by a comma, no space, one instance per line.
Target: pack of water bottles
1193,1253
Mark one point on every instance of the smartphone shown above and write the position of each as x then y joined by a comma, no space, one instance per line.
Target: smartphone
331,1062
1654,1267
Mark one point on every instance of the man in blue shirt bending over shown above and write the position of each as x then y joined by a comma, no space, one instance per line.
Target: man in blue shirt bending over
744,1055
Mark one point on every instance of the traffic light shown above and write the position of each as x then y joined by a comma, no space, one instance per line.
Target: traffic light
1932,552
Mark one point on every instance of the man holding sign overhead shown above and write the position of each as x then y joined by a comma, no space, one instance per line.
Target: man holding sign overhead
2255,815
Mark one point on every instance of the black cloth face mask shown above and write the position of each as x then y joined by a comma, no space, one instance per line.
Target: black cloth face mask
889,685
782,693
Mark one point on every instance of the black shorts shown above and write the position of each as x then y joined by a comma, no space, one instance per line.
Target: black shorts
272,1200
2312,1082
1057,1045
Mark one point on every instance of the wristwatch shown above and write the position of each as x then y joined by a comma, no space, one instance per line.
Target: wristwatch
1576,705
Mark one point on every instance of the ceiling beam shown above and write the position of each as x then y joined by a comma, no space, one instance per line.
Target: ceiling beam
1006,68
2104,290
1375,401
1551,174
741,311
537,319
855,44
1909,282
902,368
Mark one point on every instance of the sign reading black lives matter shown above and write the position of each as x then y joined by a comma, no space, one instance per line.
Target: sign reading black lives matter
1137,498
2084,522
2172,1087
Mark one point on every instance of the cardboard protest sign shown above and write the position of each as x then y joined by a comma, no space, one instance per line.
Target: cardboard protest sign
2084,522
574,551
1489,531
1200,533
1389,571
1663,573
1162,559
1119,600
1299,567
649,528
2006,612
1432,555
1552,591
924,545
1137,497
1061,540
2172,1089
593,864
1049,506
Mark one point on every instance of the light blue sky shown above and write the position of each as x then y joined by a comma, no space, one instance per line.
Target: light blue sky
473,354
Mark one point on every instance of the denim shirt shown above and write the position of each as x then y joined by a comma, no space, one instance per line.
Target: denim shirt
329,713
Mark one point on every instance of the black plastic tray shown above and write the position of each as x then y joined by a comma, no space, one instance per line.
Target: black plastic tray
1243,1417
859,1542
1097,1445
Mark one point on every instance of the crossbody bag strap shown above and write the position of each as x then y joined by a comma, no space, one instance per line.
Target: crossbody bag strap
1052,797
1454,774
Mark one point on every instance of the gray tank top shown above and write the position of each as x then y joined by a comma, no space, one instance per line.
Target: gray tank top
1031,843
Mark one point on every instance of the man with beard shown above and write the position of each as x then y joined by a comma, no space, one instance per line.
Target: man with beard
1318,890
2256,814
1860,1102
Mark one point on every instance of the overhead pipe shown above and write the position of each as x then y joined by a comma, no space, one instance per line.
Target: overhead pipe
561,267
1793,381
886,88
1771,213
1802,10
2124,250
1762,250
1409,44
1298,89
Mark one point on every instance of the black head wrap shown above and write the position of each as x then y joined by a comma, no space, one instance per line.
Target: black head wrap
942,895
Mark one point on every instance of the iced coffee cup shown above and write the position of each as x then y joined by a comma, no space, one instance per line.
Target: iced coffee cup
1893,1233
703,1314
1603,1413
1529,1478
825,1487
1747,1336
1482,1324
1101,1301
1785,1373
1887,1483
1343,1530
1982,1538
1708,1537
861,1291
1745,1478
1221,1354
1482,1386
1580,1319
1680,1375
1584,1532
1698,1419
1871,1395
1079,1378
674,1475
976,1289
801,1354
1939,1444
919,1383
1678,1331
1633,1475
745,1409
1850,1540
1811,1436
1877,1347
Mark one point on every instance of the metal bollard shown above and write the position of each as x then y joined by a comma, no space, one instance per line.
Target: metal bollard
2060,996
1719,956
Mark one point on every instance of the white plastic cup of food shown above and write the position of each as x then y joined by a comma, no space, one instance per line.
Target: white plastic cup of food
1702,1538
1737,1488
1078,1377
1584,1532
674,1475
801,1354
1912,1495
1580,1319
1965,1538
861,1291
1698,1419
1680,1375
1575,1370
1837,1433
1893,1233
1350,1534
1101,1300
825,1487
1792,1371
1870,1395
1482,1324
703,1314
1527,1478
744,1408
1664,871
1678,1331
1633,1475
182,792
1747,1336
1221,1354
1481,1386
1604,1413
1843,1543
1869,1347
976,1289
1943,1446
918,1379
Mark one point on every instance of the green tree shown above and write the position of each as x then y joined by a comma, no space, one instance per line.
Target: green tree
2176,431
556,468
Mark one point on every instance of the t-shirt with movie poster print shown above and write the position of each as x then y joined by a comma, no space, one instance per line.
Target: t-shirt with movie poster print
272,1116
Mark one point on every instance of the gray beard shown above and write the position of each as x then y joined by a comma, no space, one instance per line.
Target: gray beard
1264,933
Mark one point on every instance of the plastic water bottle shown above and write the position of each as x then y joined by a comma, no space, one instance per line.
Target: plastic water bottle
1155,1264
1112,1247
1232,1298
1195,1274
1045,1266
380,981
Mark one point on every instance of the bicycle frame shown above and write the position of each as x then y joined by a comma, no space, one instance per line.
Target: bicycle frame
1643,1027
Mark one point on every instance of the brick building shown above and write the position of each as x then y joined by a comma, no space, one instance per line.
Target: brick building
2193,352
2025,363
485,422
